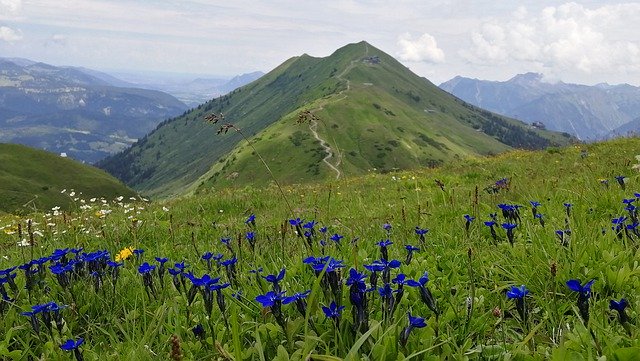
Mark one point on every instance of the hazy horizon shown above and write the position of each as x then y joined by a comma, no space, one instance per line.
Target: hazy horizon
587,43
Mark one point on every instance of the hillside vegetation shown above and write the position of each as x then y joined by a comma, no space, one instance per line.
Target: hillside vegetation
33,180
562,285
374,114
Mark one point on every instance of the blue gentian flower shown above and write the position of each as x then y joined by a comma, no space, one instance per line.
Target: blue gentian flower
421,232
414,322
585,289
383,248
518,294
425,293
298,298
295,222
333,311
584,293
336,238
275,279
146,268
72,345
620,306
509,227
534,207
621,182
269,298
251,221
410,249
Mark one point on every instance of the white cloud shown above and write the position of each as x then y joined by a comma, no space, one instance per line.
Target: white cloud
10,6
423,49
56,39
9,35
567,37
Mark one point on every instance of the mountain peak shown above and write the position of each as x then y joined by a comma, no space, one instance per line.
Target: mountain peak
527,78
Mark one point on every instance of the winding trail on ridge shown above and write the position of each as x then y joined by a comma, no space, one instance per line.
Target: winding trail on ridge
313,124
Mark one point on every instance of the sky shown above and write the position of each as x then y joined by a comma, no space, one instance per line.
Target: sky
586,42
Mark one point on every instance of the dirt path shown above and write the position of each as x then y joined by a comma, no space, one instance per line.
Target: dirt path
313,124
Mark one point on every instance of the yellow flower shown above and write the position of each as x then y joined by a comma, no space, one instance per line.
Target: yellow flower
124,254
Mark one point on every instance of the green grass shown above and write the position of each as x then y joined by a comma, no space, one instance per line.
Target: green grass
463,266
33,179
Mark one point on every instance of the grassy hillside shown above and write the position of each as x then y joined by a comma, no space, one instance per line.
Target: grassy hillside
373,110
32,180
471,274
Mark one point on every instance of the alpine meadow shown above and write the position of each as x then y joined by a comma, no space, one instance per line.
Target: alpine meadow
336,208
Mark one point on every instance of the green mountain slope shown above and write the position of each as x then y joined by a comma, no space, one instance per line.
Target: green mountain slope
372,112
33,179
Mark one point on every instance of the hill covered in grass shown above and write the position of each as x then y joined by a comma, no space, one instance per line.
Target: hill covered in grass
370,112
503,295
33,180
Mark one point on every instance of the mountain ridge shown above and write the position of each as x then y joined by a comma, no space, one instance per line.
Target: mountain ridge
67,110
360,94
588,112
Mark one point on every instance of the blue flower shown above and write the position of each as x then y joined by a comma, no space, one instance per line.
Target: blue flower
336,238
414,322
421,282
269,298
71,344
295,222
333,311
251,220
161,260
417,322
584,290
355,277
517,292
618,305
275,278
534,204
229,262
385,243
226,241
295,297
469,218
386,227
509,226
146,268
309,225
386,291
401,279
421,231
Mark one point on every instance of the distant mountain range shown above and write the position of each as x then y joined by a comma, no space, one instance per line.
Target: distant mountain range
191,91
588,112
355,111
76,111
